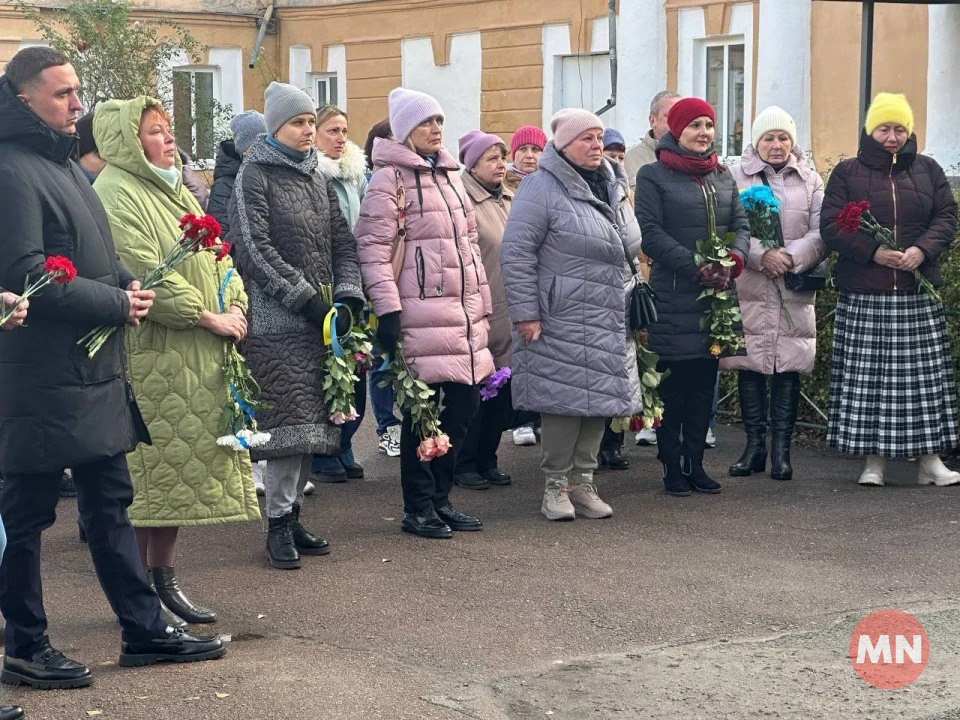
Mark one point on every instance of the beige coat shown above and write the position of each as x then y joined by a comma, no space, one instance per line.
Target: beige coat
643,153
491,216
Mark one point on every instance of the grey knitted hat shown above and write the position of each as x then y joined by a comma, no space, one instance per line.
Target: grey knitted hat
282,102
245,128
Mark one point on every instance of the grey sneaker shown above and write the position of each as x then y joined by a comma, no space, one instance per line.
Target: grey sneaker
390,442
556,502
587,503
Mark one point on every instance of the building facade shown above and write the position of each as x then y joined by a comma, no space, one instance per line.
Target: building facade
500,64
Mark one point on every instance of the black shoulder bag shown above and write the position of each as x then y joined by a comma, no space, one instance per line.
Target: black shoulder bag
813,279
643,299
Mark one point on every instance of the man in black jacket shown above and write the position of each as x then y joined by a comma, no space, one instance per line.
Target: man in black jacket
58,407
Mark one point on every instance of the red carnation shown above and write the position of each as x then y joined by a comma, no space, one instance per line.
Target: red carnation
223,252
208,224
190,224
208,241
60,269
849,218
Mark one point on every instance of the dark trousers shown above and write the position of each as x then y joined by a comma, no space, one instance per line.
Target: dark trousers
429,484
611,440
360,403
28,505
687,394
479,452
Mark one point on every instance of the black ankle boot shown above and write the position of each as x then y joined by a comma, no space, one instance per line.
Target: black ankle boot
305,542
280,548
613,459
698,478
784,399
673,480
752,389
166,614
170,594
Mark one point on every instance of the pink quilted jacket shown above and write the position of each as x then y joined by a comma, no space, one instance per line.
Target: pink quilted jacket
442,290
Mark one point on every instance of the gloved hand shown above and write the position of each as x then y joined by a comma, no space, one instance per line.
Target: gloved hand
316,311
348,315
712,275
388,332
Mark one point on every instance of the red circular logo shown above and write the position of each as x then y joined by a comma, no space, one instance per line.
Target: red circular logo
889,649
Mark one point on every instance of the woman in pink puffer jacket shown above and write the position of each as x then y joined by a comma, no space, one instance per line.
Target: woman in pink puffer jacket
440,302
776,346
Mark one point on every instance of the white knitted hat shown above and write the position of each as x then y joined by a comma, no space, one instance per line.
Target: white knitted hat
774,118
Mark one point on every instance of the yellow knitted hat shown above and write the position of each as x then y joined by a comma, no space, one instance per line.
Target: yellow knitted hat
889,108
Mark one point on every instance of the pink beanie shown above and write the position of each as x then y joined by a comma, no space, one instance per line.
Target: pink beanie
528,135
474,144
568,124
409,108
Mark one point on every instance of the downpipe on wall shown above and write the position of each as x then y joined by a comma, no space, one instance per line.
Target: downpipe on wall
612,17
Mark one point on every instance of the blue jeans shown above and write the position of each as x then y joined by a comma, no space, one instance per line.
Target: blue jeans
3,539
381,400
322,463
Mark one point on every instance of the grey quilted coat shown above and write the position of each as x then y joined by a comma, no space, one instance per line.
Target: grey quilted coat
291,237
564,264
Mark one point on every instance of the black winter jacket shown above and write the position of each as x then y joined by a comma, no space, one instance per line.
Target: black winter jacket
224,176
672,211
908,193
290,238
58,408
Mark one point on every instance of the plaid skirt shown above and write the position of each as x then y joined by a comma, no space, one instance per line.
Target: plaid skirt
892,389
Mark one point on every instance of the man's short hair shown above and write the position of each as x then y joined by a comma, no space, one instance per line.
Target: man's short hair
659,98
25,67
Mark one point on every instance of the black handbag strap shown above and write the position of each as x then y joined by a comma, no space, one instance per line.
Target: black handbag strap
779,226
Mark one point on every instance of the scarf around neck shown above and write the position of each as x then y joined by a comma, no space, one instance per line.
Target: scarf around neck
693,165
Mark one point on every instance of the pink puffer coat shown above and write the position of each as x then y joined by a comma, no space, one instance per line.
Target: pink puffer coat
772,346
442,291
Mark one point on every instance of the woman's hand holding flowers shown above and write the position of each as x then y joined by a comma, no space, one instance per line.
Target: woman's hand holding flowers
776,263
913,258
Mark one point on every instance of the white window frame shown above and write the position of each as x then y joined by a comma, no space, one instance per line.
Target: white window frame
700,79
318,99
201,163
586,56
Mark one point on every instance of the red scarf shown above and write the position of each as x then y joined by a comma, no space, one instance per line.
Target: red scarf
689,164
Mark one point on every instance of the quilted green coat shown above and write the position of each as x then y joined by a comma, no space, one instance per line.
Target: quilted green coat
184,478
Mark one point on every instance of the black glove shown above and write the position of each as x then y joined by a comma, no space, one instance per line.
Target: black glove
345,319
388,332
316,311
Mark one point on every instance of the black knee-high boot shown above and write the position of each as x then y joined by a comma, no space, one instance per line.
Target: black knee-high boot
784,399
752,389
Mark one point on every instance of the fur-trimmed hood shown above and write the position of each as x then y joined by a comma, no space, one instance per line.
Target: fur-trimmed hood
351,168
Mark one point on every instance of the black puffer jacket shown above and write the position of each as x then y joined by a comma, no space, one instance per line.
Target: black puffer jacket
908,193
224,177
58,408
291,238
672,210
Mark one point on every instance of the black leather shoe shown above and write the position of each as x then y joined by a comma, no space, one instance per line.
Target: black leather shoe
613,459
67,488
305,542
328,470
673,480
698,478
170,594
46,669
280,548
177,646
459,521
426,524
11,712
353,469
472,481
496,476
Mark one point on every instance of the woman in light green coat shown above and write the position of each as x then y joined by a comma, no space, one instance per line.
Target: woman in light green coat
175,358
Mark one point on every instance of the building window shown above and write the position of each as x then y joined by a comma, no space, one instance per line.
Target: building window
325,91
585,83
194,110
725,90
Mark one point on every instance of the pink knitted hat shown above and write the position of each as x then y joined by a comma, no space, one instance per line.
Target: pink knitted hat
528,135
409,108
474,144
568,124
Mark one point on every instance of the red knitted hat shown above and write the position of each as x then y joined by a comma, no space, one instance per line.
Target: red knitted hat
528,135
687,110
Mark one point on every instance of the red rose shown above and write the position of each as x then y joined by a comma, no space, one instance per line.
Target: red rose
656,423
636,424
849,218
60,269
223,252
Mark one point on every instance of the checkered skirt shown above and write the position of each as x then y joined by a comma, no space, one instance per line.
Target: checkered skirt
892,389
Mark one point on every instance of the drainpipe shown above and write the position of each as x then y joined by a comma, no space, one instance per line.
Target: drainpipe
264,22
612,16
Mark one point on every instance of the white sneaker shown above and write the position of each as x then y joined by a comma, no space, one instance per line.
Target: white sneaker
556,501
390,442
873,471
524,436
934,472
711,439
259,468
647,436
587,502
309,488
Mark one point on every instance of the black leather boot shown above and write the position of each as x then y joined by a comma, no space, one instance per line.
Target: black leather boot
280,548
699,480
304,541
752,389
613,459
166,614
11,712
784,399
170,594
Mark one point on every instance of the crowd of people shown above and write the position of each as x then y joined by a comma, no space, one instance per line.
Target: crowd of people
523,257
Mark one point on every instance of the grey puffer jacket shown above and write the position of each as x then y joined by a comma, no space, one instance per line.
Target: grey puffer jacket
291,238
672,210
564,264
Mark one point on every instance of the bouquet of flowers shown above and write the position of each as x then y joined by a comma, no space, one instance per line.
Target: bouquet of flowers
763,211
856,216
237,422
198,234
57,269
415,396
490,387
342,365
723,311
650,380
